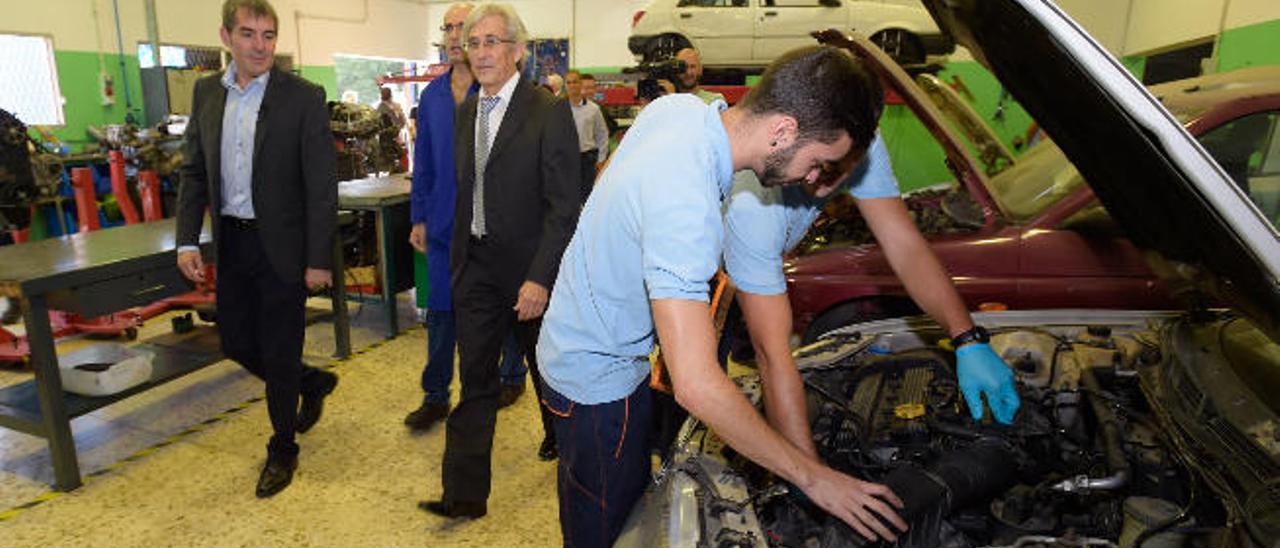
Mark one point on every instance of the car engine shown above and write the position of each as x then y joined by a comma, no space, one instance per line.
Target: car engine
1085,463
1081,450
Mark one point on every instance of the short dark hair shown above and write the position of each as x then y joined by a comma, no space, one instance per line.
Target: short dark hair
259,8
587,76
386,93
825,89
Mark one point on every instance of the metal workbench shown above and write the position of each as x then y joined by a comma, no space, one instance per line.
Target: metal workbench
93,274
388,199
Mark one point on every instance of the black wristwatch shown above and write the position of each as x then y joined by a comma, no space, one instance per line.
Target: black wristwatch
976,334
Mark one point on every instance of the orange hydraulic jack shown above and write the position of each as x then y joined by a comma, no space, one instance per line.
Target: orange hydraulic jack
13,348
149,190
120,188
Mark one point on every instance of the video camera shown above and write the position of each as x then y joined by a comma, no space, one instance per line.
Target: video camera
668,69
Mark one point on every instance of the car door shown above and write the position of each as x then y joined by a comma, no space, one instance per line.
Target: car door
720,29
782,25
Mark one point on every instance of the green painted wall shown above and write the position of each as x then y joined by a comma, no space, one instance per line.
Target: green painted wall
1249,46
918,160
324,75
599,70
1137,65
79,82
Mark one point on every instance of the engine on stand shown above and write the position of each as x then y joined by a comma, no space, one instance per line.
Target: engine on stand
28,174
358,131
157,148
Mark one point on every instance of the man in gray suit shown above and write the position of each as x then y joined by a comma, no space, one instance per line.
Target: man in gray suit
259,157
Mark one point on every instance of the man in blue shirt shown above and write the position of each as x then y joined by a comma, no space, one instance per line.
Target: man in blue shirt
763,223
432,198
648,241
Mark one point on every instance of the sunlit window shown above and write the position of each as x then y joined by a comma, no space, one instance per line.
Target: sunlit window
29,80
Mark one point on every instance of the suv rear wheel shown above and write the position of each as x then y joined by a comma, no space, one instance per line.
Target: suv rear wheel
665,47
902,46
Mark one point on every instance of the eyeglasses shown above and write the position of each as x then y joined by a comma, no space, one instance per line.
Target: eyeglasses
450,27
489,42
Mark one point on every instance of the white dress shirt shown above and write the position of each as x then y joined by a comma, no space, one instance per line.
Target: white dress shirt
499,111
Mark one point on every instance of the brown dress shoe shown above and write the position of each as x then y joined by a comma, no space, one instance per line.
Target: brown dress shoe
509,394
426,416
456,509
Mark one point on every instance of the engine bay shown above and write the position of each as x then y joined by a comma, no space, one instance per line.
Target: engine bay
1085,463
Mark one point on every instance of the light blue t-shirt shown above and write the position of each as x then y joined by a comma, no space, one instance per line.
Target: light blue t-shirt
651,229
761,224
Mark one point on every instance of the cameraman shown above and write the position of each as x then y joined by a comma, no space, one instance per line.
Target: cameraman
688,81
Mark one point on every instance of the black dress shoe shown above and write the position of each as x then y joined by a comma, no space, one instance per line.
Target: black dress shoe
276,475
424,417
313,403
509,394
457,509
547,451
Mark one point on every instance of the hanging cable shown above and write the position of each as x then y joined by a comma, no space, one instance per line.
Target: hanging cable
124,76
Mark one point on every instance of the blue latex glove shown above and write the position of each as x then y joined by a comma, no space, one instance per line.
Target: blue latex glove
981,371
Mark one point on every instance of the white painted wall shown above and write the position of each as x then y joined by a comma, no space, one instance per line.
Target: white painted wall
1157,24
390,28
598,28
601,27
1106,21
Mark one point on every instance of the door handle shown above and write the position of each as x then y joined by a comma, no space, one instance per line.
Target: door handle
686,15
770,14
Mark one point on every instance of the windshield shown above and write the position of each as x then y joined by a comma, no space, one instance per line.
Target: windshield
1040,178
1248,149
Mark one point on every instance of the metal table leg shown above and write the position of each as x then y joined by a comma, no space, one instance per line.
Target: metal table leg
384,265
62,216
53,409
338,295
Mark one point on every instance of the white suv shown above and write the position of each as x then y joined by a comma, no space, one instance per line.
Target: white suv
751,33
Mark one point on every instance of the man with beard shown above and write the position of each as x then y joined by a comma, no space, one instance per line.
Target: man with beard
648,241
762,223
690,81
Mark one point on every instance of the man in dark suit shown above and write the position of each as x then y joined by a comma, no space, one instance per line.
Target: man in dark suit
259,156
517,158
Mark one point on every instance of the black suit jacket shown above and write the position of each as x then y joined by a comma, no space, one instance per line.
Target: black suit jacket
295,187
531,191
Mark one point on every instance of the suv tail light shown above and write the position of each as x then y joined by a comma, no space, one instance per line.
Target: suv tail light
635,19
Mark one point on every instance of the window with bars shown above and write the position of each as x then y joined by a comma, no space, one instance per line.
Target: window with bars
175,56
29,80
196,57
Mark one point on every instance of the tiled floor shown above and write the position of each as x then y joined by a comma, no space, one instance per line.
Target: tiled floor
360,477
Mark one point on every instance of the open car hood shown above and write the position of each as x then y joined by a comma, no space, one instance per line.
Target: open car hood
1153,177
994,155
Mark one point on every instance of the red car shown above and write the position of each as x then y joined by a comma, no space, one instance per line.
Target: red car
1033,236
